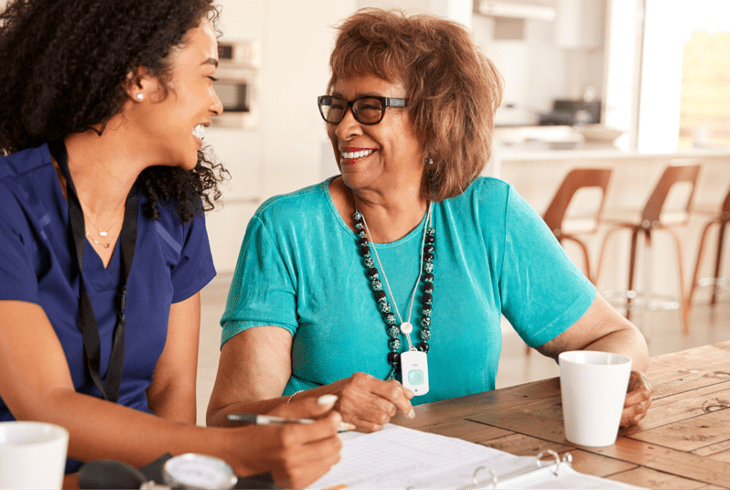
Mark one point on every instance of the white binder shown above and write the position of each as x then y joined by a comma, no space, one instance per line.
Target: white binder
401,458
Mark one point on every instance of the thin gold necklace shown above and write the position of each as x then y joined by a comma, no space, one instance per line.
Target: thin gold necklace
101,232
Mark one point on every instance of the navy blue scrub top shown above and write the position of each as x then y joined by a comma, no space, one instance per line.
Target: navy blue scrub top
172,262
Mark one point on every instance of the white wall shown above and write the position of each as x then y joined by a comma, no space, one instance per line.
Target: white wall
286,150
458,10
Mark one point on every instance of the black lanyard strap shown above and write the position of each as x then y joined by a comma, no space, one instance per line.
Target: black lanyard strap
89,327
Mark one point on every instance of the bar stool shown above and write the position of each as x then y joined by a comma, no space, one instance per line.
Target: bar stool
569,227
721,218
644,222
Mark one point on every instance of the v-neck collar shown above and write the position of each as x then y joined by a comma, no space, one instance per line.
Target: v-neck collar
96,276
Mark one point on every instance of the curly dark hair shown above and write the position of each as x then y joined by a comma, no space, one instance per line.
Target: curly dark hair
452,88
64,70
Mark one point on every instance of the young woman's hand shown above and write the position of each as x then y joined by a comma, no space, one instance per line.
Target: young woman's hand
295,454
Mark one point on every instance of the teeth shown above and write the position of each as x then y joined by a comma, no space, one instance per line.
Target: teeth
199,131
348,155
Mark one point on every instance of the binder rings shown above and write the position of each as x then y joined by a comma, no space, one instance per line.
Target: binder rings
397,457
544,474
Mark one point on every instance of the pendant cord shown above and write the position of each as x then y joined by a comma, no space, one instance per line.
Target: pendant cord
420,271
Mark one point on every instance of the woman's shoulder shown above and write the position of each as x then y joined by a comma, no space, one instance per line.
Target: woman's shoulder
488,202
23,162
489,185
169,220
484,190
295,205
26,177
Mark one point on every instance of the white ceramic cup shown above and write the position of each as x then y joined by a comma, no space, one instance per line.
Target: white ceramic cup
32,455
593,387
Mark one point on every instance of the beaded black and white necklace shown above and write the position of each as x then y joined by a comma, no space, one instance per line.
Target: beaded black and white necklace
405,327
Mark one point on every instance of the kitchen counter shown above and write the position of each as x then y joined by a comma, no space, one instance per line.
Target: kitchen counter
567,144
590,151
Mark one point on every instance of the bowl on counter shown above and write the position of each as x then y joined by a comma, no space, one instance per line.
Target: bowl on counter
598,133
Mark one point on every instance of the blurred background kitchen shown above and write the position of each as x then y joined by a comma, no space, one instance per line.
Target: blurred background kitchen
658,71
628,85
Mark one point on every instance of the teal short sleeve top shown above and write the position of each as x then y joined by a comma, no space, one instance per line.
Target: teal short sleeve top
299,269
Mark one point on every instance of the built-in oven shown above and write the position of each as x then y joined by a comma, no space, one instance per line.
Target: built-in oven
237,84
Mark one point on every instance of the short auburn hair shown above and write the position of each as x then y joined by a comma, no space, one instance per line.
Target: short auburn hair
452,88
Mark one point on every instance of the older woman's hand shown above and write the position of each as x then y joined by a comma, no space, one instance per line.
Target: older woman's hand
369,403
638,399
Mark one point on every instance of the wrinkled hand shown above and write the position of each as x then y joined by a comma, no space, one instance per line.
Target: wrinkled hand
638,399
369,403
295,454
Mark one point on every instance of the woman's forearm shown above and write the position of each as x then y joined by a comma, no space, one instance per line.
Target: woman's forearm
628,342
103,430
217,416
601,328
176,403
295,454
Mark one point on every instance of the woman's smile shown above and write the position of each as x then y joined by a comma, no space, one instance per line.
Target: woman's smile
350,156
199,133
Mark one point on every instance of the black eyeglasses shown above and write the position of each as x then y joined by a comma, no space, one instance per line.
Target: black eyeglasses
368,109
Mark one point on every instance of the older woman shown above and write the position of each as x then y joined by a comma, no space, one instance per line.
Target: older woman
388,281
103,247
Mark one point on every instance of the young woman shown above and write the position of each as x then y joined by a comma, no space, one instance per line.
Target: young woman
103,246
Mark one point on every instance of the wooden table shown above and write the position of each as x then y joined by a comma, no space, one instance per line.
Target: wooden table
683,442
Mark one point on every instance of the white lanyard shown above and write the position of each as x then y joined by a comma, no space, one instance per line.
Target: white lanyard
405,327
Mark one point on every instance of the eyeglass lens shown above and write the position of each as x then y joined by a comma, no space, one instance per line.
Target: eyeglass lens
366,110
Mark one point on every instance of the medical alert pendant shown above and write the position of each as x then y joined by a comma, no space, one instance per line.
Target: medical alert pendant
414,371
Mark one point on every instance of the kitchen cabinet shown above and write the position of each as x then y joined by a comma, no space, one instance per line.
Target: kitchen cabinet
284,151
579,24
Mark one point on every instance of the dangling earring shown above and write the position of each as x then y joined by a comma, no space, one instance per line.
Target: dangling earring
140,97
428,161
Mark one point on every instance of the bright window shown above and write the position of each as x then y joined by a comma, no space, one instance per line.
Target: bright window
705,100
668,73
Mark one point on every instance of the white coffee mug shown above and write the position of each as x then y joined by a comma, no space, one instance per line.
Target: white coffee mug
593,388
32,455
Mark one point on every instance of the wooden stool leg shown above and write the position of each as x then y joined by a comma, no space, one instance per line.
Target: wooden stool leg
647,287
718,260
601,253
700,251
586,259
684,314
632,266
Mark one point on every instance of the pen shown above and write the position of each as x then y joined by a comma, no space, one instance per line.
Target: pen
252,418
